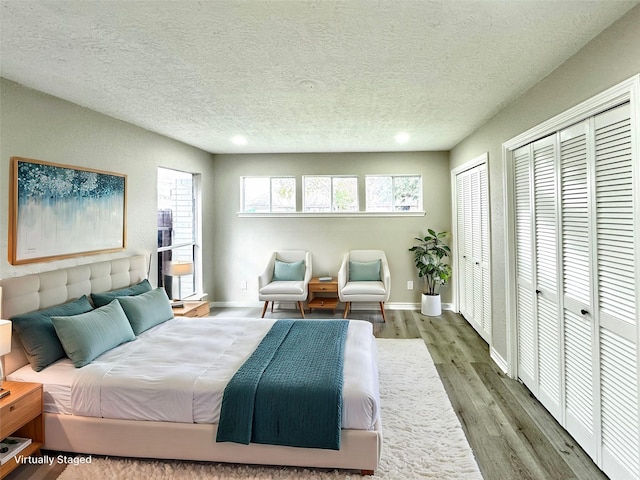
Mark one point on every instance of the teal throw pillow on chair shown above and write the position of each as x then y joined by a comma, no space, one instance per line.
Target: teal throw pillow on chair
284,271
364,271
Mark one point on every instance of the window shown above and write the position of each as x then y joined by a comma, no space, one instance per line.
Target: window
268,194
330,194
393,193
177,268
383,195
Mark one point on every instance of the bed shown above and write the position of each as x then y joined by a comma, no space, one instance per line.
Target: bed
71,427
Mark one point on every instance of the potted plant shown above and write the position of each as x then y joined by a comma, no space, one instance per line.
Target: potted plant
429,256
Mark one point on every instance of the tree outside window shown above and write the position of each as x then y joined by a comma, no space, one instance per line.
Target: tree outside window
330,194
393,193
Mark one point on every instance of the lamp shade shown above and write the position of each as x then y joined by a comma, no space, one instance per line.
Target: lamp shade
178,269
5,337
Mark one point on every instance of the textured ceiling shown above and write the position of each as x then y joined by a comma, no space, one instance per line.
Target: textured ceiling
295,75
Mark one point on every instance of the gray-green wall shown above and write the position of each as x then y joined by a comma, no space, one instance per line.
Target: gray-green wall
242,246
610,58
39,126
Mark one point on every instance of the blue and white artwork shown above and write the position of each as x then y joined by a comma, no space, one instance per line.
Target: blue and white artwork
65,211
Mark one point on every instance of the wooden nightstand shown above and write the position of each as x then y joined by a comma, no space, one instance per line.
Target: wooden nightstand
21,416
329,287
192,309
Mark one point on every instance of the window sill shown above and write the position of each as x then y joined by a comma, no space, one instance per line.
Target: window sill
419,213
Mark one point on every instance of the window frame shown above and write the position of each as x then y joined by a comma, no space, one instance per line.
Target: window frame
332,209
195,241
271,178
300,207
394,177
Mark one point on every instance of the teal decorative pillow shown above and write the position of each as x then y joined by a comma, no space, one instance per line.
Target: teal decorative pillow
147,309
284,271
38,335
364,271
105,298
88,335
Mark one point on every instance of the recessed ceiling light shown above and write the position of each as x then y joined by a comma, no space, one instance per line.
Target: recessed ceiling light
402,137
239,140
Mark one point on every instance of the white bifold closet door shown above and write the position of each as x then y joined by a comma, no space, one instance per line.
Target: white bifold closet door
577,305
472,199
536,256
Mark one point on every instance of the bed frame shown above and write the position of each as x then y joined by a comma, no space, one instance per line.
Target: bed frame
360,449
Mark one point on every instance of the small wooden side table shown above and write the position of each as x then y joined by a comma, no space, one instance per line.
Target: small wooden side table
329,287
21,416
192,309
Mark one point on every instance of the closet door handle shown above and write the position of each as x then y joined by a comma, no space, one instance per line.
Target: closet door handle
584,312
538,292
477,263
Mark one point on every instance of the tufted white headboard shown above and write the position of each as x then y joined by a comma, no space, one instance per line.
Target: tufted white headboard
48,289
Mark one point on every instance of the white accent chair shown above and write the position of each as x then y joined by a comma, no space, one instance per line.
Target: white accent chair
356,290
270,290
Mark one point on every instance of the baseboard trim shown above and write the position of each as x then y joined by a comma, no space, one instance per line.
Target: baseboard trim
389,306
499,361
355,306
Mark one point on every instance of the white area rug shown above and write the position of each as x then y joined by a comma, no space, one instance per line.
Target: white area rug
423,438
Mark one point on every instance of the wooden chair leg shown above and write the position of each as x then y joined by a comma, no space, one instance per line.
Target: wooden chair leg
264,309
301,309
347,307
384,317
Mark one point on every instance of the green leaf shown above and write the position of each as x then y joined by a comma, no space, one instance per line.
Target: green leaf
429,255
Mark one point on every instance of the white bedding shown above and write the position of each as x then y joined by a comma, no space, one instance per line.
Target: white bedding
177,372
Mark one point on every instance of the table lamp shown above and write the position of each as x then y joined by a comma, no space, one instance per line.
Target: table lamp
180,269
5,347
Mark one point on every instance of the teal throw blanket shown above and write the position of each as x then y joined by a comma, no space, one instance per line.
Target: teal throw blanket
289,391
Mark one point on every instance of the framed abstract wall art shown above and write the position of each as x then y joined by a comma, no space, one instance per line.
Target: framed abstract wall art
60,211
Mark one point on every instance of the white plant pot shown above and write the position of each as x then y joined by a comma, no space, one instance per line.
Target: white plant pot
431,305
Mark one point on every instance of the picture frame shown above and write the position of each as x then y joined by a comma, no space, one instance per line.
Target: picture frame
61,211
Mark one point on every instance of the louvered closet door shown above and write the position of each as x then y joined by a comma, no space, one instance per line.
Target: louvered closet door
484,256
547,273
525,291
462,219
472,196
537,251
476,251
580,354
467,256
461,233
617,305
577,286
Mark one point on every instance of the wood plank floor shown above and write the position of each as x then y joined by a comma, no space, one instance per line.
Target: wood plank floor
511,434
